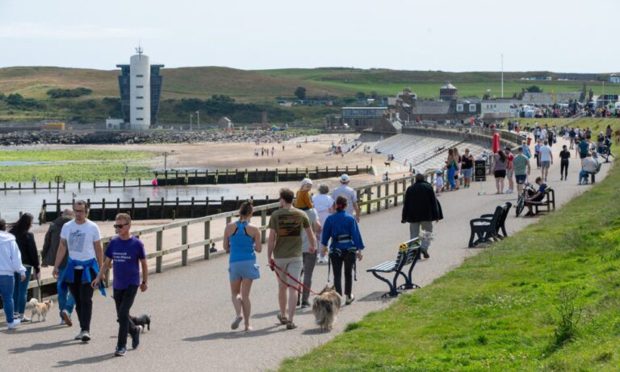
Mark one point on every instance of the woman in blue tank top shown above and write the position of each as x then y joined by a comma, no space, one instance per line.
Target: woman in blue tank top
242,240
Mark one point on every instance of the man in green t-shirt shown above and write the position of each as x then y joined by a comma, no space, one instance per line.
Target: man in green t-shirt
521,165
284,251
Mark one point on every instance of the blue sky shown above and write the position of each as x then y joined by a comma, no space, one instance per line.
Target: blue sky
561,36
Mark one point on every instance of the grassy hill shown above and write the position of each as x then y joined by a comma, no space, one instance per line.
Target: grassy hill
260,87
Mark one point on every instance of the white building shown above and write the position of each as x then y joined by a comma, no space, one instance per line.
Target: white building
140,91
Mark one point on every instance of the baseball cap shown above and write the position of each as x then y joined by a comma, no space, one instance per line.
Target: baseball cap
344,178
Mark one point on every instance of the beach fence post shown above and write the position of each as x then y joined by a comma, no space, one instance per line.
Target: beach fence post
263,224
158,247
184,242
387,193
378,198
207,237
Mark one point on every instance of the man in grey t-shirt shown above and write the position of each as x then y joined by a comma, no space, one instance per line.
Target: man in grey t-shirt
521,165
350,194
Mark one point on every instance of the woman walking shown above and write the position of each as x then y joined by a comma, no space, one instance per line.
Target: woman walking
451,166
242,240
457,159
346,246
324,205
30,260
10,264
499,170
467,166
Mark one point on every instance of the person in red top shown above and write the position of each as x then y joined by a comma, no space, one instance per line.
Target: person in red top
510,170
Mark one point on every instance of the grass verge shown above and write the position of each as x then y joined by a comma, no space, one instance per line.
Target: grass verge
73,165
546,298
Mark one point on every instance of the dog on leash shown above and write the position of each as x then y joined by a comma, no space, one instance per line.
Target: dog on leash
39,309
326,307
143,320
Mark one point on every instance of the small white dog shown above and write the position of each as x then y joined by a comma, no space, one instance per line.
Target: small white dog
39,308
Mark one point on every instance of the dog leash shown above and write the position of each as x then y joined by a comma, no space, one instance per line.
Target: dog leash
276,267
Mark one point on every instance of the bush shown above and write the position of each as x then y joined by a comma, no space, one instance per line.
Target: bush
69,93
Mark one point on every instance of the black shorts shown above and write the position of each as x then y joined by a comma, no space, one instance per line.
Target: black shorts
500,174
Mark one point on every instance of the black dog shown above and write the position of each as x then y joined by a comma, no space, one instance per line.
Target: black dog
142,320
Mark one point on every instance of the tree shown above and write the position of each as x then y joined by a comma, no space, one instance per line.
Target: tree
300,93
534,89
360,95
582,96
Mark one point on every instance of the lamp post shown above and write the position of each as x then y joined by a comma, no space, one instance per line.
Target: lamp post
190,121
198,119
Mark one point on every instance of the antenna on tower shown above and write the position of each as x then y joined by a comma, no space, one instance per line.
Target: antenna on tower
139,49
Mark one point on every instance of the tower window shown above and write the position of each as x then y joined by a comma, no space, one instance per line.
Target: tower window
139,108
139,97
140,119
139,76
139,86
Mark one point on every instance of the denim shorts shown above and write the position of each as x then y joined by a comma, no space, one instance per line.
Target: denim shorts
243,270
521,178
545,164
466,172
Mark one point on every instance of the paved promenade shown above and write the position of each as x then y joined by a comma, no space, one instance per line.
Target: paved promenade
191,309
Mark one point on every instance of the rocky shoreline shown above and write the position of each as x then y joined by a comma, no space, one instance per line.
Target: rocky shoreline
150,137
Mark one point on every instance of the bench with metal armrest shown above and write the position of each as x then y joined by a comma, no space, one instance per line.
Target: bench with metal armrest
489,226
408,254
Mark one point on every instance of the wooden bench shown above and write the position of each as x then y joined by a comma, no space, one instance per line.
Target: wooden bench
408,254
489,226
548,201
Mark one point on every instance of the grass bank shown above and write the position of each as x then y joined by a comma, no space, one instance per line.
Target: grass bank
73,165
546,298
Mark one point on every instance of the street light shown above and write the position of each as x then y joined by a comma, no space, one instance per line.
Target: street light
198,119
190,121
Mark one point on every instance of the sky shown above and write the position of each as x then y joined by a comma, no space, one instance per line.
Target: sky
533,35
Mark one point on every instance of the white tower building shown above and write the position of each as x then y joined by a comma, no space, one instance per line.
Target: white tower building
140,91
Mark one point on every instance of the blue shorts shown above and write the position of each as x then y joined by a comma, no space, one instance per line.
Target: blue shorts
521,178
243,270
466,172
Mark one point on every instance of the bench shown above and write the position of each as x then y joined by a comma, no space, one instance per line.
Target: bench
408,254
547,201
489,226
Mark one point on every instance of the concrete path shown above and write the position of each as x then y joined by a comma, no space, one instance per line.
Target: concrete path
191,308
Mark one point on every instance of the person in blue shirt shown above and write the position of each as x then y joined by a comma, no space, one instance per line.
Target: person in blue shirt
242,240
536,197
345,247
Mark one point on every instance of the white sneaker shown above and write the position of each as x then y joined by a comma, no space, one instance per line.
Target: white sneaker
79,335
14,324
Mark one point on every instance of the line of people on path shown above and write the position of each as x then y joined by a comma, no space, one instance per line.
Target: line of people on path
293,232
73,246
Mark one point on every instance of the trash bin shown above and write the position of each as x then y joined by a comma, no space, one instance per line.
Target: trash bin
480,170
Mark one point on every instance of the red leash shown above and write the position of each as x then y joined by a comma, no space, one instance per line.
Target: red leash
276,267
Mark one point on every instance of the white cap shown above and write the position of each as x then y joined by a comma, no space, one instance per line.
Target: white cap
344,178
306,181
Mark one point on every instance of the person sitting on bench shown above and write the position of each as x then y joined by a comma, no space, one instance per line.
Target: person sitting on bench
535,197
590,166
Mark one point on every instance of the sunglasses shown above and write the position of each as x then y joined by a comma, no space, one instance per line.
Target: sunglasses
118,226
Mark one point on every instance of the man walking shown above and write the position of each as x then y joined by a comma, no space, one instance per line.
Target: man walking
349,194
285,254
126,254
546,159
420,209
521,165
49,253
81,238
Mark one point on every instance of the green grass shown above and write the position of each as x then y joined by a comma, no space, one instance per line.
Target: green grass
503,309
74,165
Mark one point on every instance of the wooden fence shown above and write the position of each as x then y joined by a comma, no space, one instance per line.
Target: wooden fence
371,198
198,177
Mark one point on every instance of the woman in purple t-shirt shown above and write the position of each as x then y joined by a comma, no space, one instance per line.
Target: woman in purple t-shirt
125,254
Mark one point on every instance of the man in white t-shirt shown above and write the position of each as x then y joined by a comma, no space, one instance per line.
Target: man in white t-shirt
350,194
546,159
82,239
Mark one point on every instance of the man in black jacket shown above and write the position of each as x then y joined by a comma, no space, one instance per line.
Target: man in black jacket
420,209
66,303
